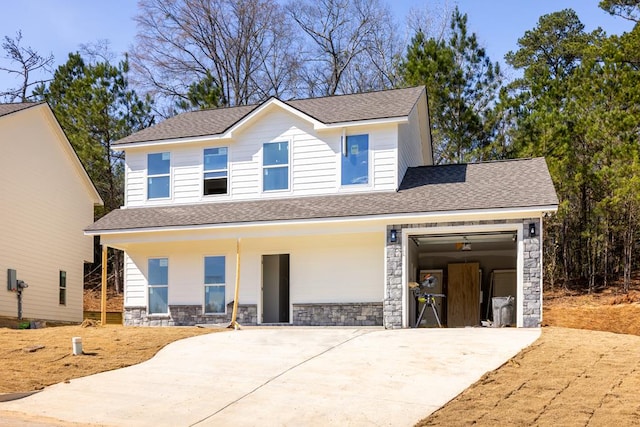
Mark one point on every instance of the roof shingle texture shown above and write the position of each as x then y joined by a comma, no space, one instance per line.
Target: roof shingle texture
331,109
426,189
12,108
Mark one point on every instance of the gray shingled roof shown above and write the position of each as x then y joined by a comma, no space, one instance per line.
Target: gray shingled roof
425,189
331,109
12,108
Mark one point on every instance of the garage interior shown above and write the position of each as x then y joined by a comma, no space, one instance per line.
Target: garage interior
470,271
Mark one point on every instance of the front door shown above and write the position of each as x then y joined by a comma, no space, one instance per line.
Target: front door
275,288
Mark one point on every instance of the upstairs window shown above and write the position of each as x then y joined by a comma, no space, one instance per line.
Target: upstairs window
214,285
215,171
158,273
62,298
158,175
275,166
355,160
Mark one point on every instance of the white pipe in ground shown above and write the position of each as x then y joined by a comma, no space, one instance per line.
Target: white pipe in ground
76,345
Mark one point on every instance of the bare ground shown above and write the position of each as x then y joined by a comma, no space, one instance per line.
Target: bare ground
105,348
568,377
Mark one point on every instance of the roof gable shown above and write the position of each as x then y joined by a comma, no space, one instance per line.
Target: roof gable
326,111
49,118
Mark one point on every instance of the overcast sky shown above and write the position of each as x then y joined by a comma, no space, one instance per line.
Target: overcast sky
61,26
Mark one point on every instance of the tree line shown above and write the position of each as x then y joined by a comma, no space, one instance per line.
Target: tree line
575,101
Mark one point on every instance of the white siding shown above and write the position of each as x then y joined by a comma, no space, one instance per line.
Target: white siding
135,184
186,270
46,204
314,162
186,165
323,268
414,144
135,282
384,147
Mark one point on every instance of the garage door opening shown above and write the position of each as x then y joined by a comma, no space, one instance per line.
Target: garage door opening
469,271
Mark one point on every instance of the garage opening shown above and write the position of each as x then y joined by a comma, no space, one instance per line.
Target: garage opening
462,276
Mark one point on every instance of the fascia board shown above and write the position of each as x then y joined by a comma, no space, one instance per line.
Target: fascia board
388,120
270,104
162,142
448,216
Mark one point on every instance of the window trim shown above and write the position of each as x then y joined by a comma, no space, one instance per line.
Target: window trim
160,175
341,156
149,286
206,285
288,165
205,171
62,287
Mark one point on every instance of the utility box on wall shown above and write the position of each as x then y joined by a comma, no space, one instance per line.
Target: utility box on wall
12,280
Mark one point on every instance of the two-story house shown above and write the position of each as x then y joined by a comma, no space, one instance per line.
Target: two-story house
46,201
328,208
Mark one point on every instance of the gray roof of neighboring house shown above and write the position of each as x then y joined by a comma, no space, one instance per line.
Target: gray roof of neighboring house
13,107
426,189
330,109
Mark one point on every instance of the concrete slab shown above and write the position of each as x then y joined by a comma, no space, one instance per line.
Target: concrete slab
286,376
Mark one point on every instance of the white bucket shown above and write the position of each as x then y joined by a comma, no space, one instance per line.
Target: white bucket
76,344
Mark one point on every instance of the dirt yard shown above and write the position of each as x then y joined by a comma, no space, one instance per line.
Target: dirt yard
27,367
567,377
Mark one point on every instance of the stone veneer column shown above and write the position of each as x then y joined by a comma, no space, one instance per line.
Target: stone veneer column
392,303
532,276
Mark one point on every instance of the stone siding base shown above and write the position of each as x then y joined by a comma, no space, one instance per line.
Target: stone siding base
189,315
338,314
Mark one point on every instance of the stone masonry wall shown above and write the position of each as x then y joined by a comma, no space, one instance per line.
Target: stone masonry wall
532,310
392,303
189,315
338,314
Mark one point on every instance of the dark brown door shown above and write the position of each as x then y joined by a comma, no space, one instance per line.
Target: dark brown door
463,295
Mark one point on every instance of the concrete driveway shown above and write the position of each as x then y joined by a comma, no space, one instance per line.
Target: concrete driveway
284,376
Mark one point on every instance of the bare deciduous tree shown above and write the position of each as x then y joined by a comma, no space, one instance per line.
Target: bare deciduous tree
432,20
352,45
245,45
27,62
377,68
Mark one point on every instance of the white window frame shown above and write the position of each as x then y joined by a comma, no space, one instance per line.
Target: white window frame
159,175
288,165
205,171
149,286
214,285
343,147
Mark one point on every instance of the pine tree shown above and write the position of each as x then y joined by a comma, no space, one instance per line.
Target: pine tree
462,85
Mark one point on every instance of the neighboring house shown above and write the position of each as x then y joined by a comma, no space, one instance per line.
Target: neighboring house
47,199
334,213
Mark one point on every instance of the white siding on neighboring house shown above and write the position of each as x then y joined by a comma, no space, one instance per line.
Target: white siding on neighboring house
414,143
314,161
46,204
